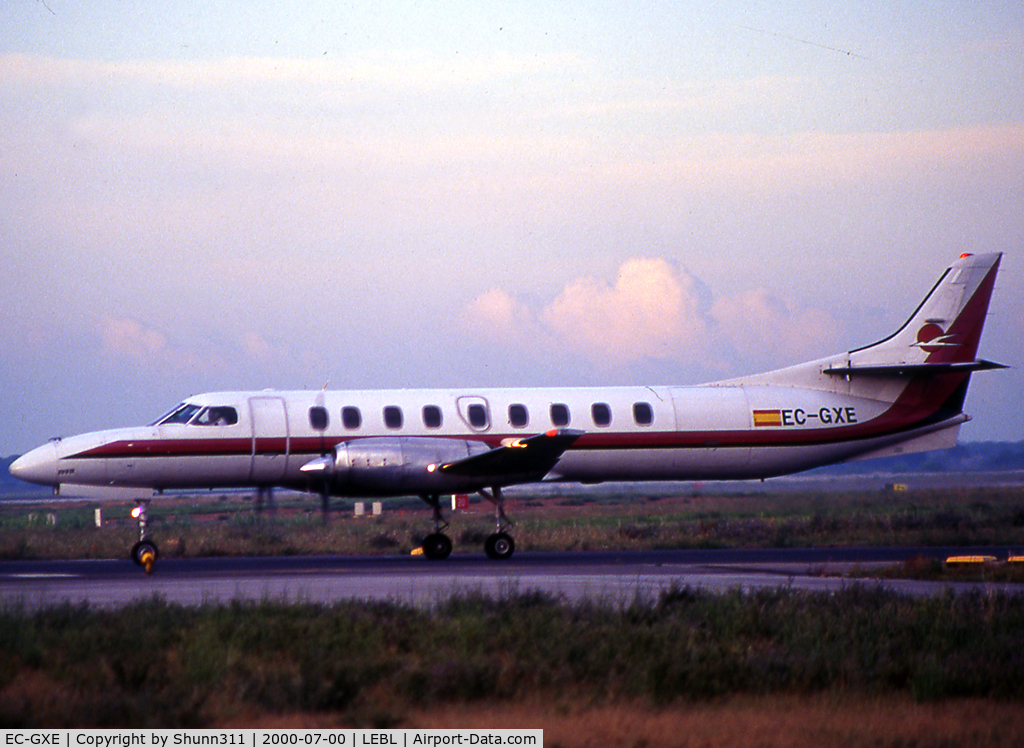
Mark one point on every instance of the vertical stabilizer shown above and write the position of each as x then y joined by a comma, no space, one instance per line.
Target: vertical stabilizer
925,367
947,325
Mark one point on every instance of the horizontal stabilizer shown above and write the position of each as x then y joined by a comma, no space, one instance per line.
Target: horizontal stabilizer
533,456
889,370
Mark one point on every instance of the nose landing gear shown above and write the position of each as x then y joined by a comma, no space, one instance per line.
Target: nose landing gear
144,552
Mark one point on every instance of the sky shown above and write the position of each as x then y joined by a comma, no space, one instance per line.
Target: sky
200,196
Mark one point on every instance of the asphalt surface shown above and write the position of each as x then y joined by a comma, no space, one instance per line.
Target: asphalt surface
617,577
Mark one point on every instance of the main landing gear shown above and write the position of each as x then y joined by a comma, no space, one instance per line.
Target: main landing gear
436,546
144,552
498,546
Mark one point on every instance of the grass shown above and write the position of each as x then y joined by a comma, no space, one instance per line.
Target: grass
219,525
764,721
859,667
382,664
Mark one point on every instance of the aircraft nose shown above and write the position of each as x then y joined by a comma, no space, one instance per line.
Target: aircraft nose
37,466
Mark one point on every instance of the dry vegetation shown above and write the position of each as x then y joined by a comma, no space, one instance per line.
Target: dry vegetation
763,721
770,668
766,722
859,667
227,525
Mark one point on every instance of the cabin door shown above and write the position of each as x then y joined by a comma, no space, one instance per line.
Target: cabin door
711,417
270,440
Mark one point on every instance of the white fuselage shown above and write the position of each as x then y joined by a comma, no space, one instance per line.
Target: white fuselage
902,394
630,433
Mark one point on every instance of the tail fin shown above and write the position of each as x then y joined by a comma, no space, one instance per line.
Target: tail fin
919,374
944,331
925,367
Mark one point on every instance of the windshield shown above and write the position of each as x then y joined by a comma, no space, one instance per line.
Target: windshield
181,414
161,418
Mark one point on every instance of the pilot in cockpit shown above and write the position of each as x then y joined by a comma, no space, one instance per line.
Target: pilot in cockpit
222,416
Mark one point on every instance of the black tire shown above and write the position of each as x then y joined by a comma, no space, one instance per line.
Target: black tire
141,547
500,546
437,546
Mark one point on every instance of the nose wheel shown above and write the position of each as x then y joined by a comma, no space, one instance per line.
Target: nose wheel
144,552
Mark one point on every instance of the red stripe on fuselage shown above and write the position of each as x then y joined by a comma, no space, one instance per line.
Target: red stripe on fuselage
919,402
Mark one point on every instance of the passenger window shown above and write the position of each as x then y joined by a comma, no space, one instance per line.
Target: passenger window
220,416
643,414
518,415
602,414
431,416
318,417
477,414
560,414
392,416
351,418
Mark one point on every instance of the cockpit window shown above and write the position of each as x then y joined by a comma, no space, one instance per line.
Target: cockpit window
182,414
165,415
216,416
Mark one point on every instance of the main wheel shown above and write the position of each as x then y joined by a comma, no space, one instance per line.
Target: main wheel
499,546
437,546
144,554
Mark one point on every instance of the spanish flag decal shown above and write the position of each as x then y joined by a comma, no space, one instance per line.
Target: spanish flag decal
767,418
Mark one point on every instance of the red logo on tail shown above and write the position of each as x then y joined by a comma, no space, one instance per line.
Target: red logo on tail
931,332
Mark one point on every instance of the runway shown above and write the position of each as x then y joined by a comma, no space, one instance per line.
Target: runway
617,577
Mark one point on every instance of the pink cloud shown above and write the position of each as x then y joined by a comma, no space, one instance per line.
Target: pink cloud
652,311
657,311
495,310
127,340
257,346
759,324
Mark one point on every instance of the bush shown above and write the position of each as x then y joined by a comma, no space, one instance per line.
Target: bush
159,664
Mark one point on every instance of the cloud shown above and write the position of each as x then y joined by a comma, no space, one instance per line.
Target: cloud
497,311
129,338
758,322
451,128
760,163
651,311
274,353
657,311
257,346
127,341
395,70
208,353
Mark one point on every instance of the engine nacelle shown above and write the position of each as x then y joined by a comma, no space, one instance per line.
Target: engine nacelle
388,466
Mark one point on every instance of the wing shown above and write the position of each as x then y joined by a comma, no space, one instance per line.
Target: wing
517,459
